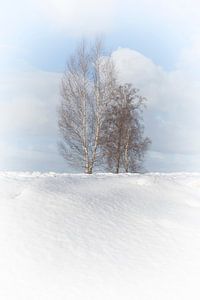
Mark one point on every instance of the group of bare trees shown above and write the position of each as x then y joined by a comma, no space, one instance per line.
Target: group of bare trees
100,121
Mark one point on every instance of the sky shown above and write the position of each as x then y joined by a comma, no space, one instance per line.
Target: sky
155,46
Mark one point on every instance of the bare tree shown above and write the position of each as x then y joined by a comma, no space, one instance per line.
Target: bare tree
122,138
87,84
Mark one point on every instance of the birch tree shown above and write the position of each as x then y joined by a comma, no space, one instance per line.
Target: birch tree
123,143
86,88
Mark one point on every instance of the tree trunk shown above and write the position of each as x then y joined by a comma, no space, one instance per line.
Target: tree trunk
126,154
117,168
119,148
90,169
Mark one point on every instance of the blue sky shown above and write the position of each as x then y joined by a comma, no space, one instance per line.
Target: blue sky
156,46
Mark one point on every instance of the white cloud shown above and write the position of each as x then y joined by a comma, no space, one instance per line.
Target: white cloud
190,57
28,121
176,12
89,16
28,102
172,118
134,67
75,17
80,17
30,157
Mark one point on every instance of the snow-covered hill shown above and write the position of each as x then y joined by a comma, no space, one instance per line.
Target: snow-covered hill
99,237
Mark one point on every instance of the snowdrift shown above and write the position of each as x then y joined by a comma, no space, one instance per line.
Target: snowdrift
99,237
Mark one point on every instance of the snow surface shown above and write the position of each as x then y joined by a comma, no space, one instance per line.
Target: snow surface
99,237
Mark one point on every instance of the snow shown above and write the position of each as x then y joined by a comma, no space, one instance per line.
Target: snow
99,237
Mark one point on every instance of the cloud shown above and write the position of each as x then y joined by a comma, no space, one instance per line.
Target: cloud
31,157
80,16
28,102
177,12
75,17
172,118
189,59
28,121
134,67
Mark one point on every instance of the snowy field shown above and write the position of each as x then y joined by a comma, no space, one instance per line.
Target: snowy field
99,237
